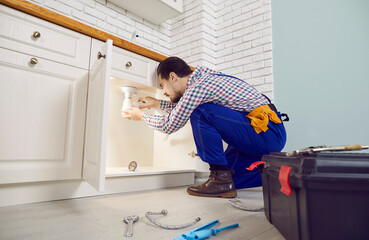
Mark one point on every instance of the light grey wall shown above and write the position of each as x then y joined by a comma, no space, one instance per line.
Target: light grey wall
321,70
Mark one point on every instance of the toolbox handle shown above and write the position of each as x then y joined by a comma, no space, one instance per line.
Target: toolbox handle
284,175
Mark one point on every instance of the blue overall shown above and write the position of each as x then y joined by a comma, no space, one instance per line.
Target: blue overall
213,123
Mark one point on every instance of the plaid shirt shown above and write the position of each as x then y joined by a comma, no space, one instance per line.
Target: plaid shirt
205,86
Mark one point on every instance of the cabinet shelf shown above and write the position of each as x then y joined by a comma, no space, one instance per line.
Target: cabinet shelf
144,170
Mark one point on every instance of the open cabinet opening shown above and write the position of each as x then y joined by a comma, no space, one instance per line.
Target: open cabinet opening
127,140
112,142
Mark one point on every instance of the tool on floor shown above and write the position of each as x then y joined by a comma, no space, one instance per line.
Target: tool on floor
129,228
237,203
203,231
170,227
323,148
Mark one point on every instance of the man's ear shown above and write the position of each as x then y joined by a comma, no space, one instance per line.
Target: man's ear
173,76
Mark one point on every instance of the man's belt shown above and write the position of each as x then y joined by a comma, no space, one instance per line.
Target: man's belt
284,116
272,106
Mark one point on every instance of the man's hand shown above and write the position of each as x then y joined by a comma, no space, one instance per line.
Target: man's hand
149,102
134,114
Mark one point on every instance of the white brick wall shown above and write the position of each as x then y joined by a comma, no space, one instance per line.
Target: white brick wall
193,33
235,38
244,40
232,36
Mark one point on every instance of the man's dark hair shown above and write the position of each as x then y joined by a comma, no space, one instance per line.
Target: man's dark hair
173,64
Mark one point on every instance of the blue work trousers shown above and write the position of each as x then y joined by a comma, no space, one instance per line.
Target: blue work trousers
213,123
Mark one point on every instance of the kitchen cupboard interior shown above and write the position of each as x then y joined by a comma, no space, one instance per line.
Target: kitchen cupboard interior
122,140
62,135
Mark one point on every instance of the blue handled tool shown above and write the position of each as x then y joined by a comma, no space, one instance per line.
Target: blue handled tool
203,231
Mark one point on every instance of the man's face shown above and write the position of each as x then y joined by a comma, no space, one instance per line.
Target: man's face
170,88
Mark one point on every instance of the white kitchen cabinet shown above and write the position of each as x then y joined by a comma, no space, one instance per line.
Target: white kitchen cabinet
112,142
42,105
46,133
43,92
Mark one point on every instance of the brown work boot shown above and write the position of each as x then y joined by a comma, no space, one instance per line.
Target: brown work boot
219,184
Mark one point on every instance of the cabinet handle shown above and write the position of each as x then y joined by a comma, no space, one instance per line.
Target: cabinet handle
100,55
128,64
193,154
34,61
36,34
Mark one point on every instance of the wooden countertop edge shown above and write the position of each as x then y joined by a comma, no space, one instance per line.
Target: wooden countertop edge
72,24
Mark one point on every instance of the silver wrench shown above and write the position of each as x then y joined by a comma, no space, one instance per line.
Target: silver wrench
129,228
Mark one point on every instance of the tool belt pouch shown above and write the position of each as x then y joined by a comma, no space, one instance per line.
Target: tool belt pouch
260,116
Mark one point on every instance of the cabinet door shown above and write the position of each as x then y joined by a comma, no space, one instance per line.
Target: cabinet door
42,119
97,119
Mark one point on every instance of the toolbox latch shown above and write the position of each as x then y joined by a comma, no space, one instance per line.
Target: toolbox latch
284,175
254,165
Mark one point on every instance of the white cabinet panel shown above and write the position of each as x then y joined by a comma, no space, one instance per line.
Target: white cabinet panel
42,119
174,150
97,119
27,34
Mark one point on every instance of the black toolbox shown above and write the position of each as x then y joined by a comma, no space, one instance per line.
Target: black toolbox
317,196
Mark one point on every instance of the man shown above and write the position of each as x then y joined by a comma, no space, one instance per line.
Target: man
220,107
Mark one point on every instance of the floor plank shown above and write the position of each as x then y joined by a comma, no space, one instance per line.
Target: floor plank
101,217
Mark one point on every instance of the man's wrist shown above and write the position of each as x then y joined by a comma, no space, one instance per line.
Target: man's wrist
141,115
158,103
144,116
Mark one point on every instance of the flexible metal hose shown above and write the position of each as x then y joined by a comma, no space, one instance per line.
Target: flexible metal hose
170,227
238,204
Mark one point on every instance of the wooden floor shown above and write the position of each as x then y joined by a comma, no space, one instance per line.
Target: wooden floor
100,218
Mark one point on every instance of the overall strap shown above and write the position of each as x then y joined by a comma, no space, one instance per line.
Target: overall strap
270,102
284,115
224,75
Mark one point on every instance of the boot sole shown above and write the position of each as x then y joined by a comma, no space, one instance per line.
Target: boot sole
231,194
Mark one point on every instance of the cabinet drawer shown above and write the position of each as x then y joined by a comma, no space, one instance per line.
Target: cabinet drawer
133,67
127,66
30,35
